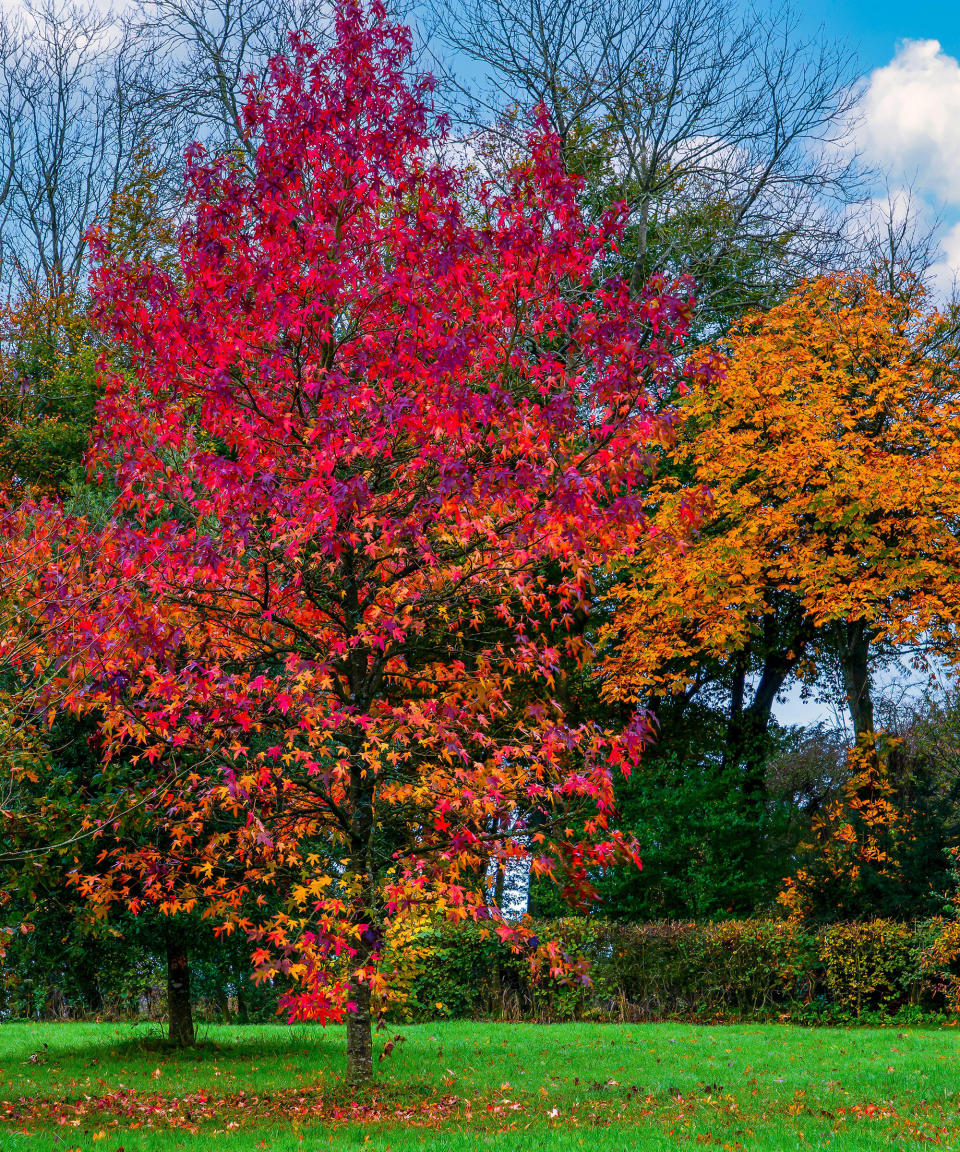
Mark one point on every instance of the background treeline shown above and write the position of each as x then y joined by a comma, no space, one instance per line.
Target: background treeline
878,971
721,131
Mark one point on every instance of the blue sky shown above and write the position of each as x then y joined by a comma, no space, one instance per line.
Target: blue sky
875,29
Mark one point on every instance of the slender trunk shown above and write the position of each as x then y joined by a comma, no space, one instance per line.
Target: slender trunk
749,726
638,276
222,1000
738,686
359,1023
359,1035
86,976
855,663
240,974
179,1011
499,880
363,828
748,734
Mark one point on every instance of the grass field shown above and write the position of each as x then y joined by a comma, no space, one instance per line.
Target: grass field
465,1086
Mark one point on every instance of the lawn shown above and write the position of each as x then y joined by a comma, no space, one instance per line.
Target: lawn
456,1087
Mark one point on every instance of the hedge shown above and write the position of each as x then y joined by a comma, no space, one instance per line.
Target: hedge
867,972
730,970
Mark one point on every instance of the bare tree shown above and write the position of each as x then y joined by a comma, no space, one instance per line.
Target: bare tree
719,130
69,135
898,234
197,54
11,107
196,57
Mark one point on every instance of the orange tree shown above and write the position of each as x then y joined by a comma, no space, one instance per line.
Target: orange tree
822,439
855,845
370,450
881,840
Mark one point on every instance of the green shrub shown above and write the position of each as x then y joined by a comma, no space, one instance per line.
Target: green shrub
731,970
867,965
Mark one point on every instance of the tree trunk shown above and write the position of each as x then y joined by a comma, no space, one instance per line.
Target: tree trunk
499,882
179,1011
363,826
86,977
783,645
222,999
240,977
747,749
855,662
638,275
359,1036
748,731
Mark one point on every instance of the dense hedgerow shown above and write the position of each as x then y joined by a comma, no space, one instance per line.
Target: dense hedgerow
738,969
731,970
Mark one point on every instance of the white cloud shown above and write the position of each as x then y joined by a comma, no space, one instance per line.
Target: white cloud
945,274
909,127
896,207
911,118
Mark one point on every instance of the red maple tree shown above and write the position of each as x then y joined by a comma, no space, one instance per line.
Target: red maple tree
372,440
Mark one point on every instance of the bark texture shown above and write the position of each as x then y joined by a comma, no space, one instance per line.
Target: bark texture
359,1036
179,1009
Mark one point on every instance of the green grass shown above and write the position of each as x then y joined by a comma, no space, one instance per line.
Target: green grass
464,1086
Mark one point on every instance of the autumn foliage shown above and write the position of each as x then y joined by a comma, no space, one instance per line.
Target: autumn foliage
853,842
371,441
822,437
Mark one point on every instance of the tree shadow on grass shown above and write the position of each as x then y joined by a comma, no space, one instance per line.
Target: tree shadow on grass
103,1044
